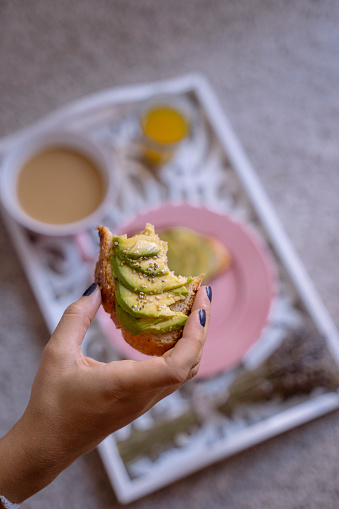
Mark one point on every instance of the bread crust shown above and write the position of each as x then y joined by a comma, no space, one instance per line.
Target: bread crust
149,344
221,256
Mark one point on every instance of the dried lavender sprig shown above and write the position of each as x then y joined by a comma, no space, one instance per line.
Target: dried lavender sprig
300,364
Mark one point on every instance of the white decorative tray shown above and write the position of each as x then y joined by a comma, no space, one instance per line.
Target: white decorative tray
185,432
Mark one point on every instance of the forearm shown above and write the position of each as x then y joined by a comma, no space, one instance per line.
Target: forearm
25,468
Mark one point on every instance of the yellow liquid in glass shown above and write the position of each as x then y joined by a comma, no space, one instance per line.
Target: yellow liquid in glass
165,125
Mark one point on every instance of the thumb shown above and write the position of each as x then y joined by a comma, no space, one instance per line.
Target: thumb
77,318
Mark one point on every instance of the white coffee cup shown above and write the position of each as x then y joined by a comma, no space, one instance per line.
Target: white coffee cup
24,151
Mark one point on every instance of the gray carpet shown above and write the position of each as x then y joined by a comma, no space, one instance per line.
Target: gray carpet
275,67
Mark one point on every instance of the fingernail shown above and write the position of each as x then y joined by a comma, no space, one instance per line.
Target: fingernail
90,290
202,317
209,293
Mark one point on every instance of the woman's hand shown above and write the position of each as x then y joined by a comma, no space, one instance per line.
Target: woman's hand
77,401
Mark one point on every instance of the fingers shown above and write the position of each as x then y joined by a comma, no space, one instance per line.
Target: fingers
165,373
188,351
203,298
75,321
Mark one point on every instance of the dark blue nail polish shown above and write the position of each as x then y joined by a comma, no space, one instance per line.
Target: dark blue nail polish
209,293
202,317
90,290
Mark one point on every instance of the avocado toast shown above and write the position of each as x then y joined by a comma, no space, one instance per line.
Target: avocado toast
147,301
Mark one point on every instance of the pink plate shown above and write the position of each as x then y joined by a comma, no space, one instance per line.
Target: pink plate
242,296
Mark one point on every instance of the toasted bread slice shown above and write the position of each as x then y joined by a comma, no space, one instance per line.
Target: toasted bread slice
150,343
221,258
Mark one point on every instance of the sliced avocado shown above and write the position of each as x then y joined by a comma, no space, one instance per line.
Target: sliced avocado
136,249
146,244
146,305
149,325
145,286
182,290
138,283
149,266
